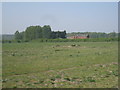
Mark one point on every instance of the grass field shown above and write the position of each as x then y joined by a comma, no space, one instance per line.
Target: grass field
60,65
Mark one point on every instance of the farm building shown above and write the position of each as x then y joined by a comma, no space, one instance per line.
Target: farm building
79,36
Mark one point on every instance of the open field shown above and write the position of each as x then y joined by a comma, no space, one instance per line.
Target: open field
60,65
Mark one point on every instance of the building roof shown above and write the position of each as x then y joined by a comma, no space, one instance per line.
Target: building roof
81,35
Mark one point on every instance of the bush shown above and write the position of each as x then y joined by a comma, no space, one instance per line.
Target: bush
19,41
66,40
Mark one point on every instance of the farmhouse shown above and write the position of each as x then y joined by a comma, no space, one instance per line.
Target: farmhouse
79,36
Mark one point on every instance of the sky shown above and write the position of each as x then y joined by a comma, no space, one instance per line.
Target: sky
0,18
69,16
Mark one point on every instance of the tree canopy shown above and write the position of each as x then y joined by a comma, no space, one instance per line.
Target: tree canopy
36,32
45,32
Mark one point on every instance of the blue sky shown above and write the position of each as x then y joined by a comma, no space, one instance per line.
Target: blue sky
69,16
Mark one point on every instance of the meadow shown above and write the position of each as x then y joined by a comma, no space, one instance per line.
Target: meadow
60,65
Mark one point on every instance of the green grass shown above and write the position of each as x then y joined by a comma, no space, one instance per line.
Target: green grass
60,65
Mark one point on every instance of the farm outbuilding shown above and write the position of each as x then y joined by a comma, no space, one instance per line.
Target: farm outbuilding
79,36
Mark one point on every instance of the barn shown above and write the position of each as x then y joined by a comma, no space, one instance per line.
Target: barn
79,36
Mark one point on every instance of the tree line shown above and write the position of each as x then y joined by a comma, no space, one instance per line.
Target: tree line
38,32
45,33
96,34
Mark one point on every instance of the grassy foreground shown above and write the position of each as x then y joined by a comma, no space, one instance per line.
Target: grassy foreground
60,65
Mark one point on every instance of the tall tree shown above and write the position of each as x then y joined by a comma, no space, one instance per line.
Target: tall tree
53,35
38,32
63,34
17,35
46,31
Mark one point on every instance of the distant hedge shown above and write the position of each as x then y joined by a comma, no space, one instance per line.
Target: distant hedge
64,40
78,40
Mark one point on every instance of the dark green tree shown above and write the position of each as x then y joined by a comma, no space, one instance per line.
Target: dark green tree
38,32
17,35
53,35
46,31
63,34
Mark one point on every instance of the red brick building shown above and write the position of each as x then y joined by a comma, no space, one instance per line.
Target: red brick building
80,36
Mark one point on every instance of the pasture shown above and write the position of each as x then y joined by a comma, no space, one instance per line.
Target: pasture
60,65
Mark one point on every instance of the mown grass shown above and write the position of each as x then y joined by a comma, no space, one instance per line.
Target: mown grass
60,65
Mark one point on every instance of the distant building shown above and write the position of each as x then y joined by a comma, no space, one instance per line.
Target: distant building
79,36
